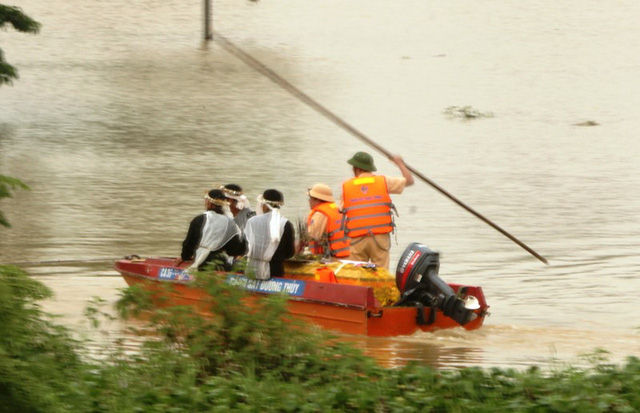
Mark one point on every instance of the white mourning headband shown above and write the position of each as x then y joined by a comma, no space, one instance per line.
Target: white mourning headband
231,192
220,202
272,204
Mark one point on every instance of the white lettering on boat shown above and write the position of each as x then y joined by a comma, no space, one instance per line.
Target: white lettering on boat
174,274
272,286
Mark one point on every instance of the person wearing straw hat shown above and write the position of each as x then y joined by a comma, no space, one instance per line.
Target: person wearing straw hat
213,236
324,224
366,203
270,238
238,204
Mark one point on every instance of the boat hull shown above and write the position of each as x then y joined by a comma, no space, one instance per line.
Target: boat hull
350,309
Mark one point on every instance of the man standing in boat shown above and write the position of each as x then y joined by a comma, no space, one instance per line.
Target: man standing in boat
212,237
238,203
270,238
367,205
324,224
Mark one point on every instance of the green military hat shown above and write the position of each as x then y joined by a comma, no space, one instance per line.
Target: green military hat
363,161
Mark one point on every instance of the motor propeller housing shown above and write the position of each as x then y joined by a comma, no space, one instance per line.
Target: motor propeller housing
420,286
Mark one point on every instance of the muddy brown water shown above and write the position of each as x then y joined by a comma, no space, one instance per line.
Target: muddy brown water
122,116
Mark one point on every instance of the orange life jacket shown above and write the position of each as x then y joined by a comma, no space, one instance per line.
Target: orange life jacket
367,206
338,241
325,275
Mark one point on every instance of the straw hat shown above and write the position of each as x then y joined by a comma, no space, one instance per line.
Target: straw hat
321,192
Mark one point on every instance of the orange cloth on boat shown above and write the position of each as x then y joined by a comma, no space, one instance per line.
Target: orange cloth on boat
324,224
380,279
325,275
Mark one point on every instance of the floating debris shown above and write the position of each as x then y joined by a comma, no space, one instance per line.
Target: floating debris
587,123
466,112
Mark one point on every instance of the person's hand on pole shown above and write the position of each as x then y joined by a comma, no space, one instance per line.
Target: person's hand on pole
397,159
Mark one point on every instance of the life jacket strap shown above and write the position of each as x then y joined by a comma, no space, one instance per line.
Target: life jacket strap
340,250
370,227
383,214
351,208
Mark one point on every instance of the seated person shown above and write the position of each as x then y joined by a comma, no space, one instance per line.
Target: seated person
213,236
238,203
270,238
324,224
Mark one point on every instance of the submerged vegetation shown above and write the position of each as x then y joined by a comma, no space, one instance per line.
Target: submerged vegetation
587,123
255,359
466,112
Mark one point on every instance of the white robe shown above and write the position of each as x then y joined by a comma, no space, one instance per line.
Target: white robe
242,217
263,237
217,231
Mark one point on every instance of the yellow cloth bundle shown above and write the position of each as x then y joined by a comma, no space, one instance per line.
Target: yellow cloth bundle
380,279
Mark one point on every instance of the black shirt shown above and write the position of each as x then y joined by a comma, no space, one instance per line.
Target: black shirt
234,247
286,249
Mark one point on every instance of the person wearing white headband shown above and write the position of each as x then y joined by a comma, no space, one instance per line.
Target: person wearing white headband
213,237
238,204
270,238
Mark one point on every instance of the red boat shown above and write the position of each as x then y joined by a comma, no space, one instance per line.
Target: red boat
425,301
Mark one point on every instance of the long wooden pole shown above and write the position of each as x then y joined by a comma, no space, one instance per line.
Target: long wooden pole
208,26
261,68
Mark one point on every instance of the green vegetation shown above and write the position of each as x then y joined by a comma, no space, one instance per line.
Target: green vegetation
22,23
254,359
38,359
8,184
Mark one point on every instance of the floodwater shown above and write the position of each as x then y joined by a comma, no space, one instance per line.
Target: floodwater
123,116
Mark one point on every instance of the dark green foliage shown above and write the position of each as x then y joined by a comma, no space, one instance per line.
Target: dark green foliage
22,23
8,184
248,358
7,72
261,340
37,357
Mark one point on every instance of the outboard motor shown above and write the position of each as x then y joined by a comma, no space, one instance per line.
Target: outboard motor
420,286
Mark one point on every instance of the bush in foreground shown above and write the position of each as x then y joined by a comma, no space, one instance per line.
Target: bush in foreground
251,358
